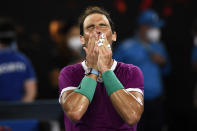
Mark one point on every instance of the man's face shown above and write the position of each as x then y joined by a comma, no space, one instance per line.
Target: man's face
73,32
150,33
97,24
142,30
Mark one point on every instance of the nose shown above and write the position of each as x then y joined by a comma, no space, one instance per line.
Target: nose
99,33
97,30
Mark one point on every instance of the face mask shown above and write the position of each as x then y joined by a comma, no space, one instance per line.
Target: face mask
195,40
153,34
74,43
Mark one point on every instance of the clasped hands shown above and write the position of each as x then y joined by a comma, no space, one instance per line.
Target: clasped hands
98,57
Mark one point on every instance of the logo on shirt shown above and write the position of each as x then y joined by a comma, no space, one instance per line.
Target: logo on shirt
12,67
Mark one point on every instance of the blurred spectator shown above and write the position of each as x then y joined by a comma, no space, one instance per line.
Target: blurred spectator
66,49
73,42
5,128
65,38
17,77
146,51
194,60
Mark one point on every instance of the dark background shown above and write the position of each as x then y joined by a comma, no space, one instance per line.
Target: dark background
179,15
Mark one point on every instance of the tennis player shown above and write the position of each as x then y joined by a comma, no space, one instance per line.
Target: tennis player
100,94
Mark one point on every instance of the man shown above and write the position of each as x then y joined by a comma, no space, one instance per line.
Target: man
100,94
17,77
194,60
145,51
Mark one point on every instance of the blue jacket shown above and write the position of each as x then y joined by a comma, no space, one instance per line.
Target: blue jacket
133,51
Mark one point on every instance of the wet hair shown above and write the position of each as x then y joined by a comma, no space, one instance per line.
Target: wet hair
92,10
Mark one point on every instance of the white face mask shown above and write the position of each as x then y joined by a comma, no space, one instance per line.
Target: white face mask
153,34
74,43
195,40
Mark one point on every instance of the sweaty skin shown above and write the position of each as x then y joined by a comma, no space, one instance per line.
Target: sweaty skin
129,105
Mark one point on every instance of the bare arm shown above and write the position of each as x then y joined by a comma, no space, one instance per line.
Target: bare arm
127,106
159,59
30,91
75,104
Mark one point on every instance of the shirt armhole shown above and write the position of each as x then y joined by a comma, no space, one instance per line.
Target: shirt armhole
66,89
135,89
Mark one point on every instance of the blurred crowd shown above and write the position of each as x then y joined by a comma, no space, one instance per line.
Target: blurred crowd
62,48
29,72
20,80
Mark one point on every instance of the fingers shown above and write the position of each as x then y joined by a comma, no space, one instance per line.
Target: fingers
92,42
86,50
96,36
105,48
93,45
96,49
105,41
100,51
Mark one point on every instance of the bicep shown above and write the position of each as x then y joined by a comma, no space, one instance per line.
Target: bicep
70,95
74,104
30,89
64,95
135,85
138,97
30,72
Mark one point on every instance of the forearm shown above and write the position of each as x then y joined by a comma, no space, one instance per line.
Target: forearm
93,76
74,105
125,103
28,98
159,59
127,106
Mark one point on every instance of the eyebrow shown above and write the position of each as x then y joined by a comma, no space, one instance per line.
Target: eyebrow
91,25
103,24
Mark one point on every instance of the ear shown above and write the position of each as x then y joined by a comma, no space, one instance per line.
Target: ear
82,39
114,36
